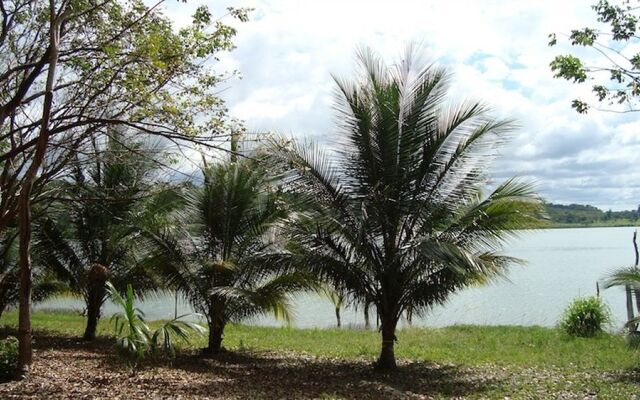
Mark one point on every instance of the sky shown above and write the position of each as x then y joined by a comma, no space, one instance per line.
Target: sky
497,51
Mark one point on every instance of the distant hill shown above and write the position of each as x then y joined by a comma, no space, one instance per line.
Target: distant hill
573,215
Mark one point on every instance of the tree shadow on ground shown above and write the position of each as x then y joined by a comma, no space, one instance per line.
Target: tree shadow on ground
43,339
66,367
269,375
629,375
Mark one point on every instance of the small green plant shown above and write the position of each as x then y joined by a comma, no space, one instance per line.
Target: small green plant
163,340
8,357
585,317
134,338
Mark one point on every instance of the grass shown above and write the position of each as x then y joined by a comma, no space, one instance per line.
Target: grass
469,345
518,362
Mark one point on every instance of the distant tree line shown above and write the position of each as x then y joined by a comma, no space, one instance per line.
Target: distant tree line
579,214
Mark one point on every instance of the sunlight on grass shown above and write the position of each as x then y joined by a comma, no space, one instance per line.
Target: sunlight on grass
469,345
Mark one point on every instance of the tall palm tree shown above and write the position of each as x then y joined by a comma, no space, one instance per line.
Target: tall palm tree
220,259
395,214
97,233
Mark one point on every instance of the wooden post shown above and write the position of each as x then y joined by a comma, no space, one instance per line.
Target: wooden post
629,291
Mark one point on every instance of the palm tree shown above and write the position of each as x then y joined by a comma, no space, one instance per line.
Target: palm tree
629,278
338,299
97,233
220,260
396,214
44,284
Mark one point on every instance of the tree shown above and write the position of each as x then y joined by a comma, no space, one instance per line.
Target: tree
95,232
44,284
629,278
616,78
221,262
338,299
395,215
72,68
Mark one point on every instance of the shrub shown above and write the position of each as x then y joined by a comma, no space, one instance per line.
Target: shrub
8,357
585,317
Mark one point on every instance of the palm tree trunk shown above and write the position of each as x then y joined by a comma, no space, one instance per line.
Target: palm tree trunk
630,314
93,316
215,338
97,290
338,321
387,360
367,322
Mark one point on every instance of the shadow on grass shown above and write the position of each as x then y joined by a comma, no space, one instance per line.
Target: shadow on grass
44,339
628,375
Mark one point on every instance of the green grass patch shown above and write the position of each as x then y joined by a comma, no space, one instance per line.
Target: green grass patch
462,345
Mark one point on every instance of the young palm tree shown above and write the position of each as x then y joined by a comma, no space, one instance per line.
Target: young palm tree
629,278
98,232
220,261
395,214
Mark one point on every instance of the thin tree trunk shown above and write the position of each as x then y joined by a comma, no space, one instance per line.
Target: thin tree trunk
25,352
387,359
367,320
175,309
339,323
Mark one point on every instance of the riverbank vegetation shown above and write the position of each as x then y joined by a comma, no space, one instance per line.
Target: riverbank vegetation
464,361
585,216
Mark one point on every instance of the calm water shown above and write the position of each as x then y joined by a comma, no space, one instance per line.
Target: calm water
561,264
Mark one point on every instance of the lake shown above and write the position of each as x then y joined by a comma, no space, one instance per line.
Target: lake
561,264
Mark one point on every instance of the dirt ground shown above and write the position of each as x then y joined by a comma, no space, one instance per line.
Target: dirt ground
66,368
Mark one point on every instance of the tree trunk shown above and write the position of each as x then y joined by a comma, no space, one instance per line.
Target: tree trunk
367,321
24,205
630,314
215,338
93,316
387,360
25,352
339,323
96,287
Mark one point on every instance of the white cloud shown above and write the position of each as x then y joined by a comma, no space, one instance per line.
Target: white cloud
497,50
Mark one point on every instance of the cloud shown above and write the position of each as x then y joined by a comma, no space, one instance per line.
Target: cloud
497,51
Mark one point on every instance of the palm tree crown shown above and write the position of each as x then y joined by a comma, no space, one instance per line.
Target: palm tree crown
395,212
